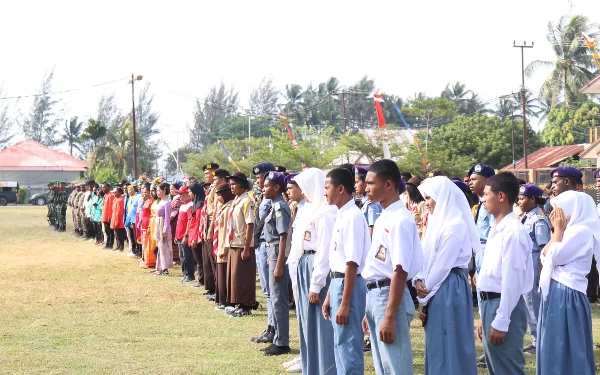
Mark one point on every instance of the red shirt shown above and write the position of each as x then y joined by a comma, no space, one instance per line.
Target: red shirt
146,213
185,212
193,232
118,213
107,207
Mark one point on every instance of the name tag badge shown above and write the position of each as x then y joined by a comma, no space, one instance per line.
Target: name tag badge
277,214
381,253
307,235
335,246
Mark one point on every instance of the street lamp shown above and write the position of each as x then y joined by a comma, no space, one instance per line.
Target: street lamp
133,79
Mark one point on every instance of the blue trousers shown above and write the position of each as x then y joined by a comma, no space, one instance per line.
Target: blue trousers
534,298
394,358
186,258
508,357
449,337
348,338
316,333
263,276
280,299
565,344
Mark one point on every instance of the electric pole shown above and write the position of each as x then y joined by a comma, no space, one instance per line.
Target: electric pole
132,82
523,101
344,112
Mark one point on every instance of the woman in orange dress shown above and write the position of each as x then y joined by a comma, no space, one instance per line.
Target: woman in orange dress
148,260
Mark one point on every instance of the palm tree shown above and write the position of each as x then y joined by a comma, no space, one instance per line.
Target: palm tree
293,97
573,67
533,106
72,134
95,131
116,153
458,94
506,108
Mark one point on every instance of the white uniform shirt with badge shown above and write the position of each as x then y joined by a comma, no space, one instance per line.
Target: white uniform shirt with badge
318,238
395,242
350,240
507,267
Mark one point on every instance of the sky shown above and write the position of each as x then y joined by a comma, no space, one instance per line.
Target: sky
183,48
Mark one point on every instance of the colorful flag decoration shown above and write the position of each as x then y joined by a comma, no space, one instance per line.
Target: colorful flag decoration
220,143
591,45
289,130
378,99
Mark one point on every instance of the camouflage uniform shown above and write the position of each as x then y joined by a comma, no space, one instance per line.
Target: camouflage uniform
61,208
51,195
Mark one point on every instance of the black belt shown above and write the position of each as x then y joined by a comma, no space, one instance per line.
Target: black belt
309,252
338,275
488,295
378,284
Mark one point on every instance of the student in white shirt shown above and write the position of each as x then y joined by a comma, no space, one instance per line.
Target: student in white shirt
565,343
345,301
443,289
310,244
506,274
394,257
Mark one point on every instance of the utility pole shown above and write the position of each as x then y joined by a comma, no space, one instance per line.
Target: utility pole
133,79
344,112
523,101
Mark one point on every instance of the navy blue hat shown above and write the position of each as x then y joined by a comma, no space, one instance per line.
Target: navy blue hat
276,177
461,185
482,170
597,173
210,166
567,171
530,190
281,169
360,171
263,167
291,178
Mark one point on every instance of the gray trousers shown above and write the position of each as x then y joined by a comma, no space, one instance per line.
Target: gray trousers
280,300
506,358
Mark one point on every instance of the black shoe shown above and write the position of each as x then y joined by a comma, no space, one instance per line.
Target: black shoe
592,299
255,305
208,293
262,335
481,359
529,350
367,345
277,350
292,305
266,339
267,348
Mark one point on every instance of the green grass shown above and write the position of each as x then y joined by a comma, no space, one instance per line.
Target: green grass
69,307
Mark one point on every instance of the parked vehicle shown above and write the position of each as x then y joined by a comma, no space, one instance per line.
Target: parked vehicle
9,192
40,199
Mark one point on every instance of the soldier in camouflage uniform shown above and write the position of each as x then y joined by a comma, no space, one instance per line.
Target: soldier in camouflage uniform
51,195
61,208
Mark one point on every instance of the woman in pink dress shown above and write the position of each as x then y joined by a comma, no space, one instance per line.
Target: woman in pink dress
162,231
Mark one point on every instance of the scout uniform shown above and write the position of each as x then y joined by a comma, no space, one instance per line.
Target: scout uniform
538,226
208,261
395,242
508,253
483,220
262,208
277,223
350,242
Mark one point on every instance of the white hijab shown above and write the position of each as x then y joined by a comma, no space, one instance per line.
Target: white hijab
312,183
451,206
580,211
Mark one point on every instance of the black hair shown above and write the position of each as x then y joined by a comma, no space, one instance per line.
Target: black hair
521,181
388,170
414,194
342,176
505,182
436,172
107,185
361,177
147,186
102,193
176,185
405,176
120,190
348,167
164,187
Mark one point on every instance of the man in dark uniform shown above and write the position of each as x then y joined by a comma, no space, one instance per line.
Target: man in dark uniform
51,195
61,207
207,261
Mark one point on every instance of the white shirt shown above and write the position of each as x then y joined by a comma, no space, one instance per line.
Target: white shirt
395,242
318,238
507,267
350,238
453,249
86,203
571,258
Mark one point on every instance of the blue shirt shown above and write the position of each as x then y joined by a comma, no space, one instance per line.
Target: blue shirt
538,226
263,208
484,223
371,211
278,220
130,212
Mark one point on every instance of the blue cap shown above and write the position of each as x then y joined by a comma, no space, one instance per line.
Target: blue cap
276,177
597,173
530,190
263,167
567,171
360,171
482,170
281,169
291,178
461,185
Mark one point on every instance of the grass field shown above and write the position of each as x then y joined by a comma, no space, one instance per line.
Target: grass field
69,307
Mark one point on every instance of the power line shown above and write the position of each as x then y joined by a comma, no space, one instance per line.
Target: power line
63,91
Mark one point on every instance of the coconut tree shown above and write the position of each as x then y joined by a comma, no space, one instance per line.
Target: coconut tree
72,134
458,94
95,131
574,66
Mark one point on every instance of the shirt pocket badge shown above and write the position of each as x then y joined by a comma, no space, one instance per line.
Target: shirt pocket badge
381,254
307,236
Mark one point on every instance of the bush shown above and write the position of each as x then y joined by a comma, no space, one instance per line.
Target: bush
22,196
